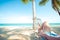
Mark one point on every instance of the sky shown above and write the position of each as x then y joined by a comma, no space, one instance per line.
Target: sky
15,11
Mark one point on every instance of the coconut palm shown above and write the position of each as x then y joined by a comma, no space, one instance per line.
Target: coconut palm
55,4
34,10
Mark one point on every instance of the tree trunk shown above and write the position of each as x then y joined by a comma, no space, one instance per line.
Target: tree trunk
34,14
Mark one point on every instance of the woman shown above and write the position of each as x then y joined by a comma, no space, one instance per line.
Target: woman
45,33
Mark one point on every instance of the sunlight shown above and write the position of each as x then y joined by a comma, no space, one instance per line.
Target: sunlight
22,19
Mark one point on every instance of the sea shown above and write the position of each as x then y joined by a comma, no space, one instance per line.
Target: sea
27,25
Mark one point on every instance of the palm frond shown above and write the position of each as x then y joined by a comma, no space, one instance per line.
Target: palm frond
58,2
30,0
43,2
59,12
25,1
55,6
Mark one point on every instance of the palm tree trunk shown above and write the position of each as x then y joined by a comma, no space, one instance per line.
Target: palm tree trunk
34,14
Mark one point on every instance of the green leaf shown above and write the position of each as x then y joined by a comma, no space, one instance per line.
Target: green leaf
56,6
25,1
43,2
58,2
30,0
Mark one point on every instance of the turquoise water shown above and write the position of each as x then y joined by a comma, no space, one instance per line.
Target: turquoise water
27,25
54,24
16,25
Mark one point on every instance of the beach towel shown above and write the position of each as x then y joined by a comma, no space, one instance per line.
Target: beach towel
50,36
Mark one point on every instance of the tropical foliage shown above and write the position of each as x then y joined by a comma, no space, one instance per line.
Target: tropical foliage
55,4
25,1
43,2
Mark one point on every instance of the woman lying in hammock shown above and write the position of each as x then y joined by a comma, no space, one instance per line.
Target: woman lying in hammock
45,32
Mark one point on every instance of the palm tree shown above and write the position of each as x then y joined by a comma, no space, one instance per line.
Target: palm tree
34,10
55,5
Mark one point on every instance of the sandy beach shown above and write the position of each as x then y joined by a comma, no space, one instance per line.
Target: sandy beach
16,33
21,33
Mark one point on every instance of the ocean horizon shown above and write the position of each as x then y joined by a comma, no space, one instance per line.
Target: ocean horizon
26,25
